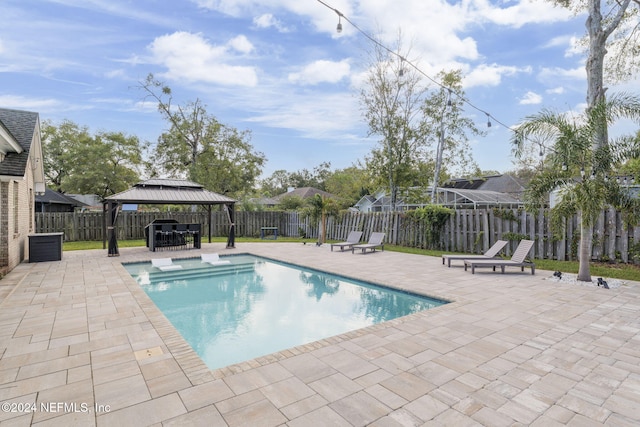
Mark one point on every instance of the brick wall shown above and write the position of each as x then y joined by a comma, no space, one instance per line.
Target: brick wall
14,237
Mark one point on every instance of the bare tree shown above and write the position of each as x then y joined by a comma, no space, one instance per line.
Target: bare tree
391,105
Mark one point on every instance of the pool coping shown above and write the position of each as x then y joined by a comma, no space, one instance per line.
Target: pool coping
196,369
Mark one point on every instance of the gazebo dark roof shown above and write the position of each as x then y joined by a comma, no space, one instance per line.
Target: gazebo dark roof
165,192
169,191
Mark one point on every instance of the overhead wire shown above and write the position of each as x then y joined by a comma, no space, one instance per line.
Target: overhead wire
490,117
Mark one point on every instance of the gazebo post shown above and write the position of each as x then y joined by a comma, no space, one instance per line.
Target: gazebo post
210,219
113,237
231,240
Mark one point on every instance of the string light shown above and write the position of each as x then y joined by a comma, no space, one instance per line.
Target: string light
339,26
401,72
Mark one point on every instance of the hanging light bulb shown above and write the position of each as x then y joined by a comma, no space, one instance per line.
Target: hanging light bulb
488,120
339,27
582,171
564,166
449,99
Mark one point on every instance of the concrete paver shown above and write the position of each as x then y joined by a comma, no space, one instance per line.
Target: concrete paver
508,349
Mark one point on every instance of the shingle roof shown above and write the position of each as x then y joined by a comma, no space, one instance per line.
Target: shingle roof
53,197
21,125
169,191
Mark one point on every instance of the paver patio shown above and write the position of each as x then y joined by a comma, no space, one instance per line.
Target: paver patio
82,344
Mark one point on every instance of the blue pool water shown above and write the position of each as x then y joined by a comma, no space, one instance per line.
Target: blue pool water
254,306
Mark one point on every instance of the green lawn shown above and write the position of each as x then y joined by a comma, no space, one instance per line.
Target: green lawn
613,271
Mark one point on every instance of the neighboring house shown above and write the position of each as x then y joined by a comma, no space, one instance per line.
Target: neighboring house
366,202
483,192
52,201
627,183
90,202
21,178
507,184
304,193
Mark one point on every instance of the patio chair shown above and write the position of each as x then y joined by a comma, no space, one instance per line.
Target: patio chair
375,241
352,239
490,253
517,260
214,259
165,264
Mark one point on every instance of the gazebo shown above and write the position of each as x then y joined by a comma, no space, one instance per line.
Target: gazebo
164,192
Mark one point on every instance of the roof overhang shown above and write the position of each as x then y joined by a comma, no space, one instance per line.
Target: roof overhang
8,143
169,195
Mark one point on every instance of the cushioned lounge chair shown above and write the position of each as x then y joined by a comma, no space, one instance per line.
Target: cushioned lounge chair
517,260
490,253
375,242
165,264
352,239
213,259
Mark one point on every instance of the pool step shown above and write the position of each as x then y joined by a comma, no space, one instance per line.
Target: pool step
197,272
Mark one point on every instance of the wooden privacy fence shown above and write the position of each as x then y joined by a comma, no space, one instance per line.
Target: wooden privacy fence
467,230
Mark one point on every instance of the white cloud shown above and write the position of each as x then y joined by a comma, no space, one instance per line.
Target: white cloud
521,13
241,44
321,71
267,20
531,98
491,75
556,90
325,116
32,104
552,74
191,57
576,48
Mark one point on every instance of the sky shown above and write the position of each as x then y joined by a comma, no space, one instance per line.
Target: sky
279,69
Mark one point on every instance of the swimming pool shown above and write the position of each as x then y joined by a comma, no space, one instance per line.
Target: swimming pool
255,306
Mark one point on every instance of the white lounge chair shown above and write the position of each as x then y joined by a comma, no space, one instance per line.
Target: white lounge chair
490,253
375,241
213,259
352,239
165,264
517,260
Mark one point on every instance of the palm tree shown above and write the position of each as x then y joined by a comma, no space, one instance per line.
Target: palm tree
579,170
318,208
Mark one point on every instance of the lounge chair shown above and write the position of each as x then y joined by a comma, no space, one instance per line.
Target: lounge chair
490,253
517,260
375,241
213,259
165,264
352,239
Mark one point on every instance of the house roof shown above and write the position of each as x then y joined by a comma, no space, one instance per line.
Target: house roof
55,198
169,191
458,196
304,193
18,126
500,183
